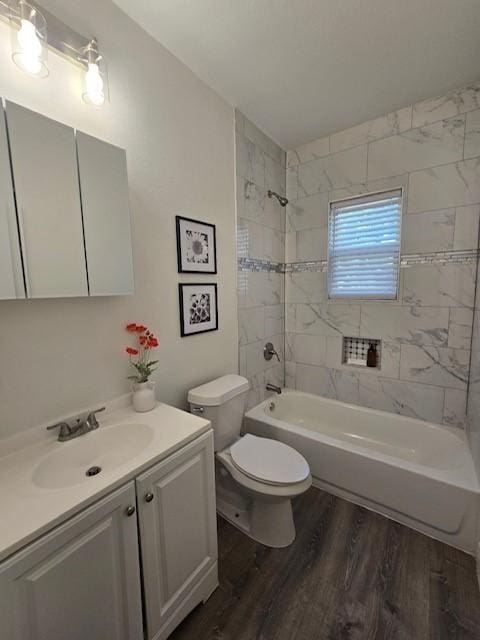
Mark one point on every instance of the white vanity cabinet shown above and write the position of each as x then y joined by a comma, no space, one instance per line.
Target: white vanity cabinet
83,579
45,175
178,535
80,581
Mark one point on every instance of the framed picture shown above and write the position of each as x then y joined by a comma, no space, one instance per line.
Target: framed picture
198,308
196,246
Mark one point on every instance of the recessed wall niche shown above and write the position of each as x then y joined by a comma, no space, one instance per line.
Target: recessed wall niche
355,351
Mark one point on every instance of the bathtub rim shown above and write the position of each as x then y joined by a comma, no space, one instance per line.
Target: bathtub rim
463,478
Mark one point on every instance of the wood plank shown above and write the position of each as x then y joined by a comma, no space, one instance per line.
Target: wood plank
455,613
351,574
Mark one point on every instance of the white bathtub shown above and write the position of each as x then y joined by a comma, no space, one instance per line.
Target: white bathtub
415,472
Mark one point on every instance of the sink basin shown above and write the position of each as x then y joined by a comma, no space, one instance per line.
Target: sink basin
107,448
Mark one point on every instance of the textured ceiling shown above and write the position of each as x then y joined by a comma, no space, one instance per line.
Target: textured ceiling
301,69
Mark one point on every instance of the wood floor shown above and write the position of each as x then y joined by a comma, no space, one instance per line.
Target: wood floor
350,575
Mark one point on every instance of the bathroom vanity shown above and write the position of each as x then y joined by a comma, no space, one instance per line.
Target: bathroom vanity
123,553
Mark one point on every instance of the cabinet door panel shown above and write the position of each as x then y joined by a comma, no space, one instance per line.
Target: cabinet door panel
106,216
177,528
80,581
11,274
45,174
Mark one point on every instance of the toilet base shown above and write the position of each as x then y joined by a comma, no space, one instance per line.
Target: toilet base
240,518
266,519
269,524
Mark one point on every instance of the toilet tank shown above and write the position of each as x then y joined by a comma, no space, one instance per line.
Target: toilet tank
222,401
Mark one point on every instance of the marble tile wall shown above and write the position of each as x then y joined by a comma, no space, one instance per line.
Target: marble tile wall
432,149
260,165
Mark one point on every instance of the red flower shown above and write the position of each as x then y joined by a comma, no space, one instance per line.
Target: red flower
140,328
142,340
153,342
131,351
131,327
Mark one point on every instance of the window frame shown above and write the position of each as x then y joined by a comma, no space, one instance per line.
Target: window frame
340,299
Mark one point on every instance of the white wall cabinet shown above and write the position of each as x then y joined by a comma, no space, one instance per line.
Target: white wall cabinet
106,216
11,275
178,535
45,174
82,580
64,211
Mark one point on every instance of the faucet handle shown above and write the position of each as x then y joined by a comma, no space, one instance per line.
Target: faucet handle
269,351
92,418
65,429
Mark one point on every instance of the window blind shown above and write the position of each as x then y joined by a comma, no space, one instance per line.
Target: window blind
364,246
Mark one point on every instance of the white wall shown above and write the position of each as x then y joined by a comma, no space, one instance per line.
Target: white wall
59,355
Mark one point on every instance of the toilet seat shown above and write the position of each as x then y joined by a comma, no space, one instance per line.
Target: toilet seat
269,461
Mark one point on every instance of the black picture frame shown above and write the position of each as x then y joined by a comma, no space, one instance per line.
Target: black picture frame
184,324
209,231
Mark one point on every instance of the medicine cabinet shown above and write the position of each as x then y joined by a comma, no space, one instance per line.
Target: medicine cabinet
65,218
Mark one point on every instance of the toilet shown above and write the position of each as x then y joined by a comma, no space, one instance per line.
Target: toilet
256,478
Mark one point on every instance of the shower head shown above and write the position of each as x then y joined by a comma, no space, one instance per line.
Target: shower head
283,201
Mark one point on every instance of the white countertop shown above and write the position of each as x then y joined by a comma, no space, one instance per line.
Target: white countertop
27,511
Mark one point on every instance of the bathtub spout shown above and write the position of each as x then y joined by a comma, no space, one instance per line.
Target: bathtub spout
273,387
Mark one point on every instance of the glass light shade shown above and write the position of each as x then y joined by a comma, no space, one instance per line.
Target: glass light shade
94,90
95,80
29,38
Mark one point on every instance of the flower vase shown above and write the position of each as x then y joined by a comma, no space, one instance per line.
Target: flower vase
143,397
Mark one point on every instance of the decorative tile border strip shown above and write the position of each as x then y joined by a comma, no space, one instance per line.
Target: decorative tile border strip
438,258
301,267
252,264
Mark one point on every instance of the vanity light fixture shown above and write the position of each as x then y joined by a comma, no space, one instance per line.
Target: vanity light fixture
95,84
28,22
29,38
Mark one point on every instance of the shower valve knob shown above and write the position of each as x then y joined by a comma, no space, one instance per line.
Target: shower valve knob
269,351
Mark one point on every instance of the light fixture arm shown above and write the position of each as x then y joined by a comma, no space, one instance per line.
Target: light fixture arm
89,54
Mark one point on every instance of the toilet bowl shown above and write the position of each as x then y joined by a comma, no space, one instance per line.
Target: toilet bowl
256,478
268,483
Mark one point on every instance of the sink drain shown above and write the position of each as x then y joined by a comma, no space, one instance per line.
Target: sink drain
93,471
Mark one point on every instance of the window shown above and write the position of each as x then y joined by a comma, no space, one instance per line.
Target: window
364,246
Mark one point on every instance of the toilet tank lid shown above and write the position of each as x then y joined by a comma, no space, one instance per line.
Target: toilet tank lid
218,391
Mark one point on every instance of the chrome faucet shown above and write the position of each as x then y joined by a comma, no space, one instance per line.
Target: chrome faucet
81,427
273,387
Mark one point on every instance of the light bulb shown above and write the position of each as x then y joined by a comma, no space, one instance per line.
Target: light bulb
94,85
30,48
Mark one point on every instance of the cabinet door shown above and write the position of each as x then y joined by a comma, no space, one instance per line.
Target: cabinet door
106,216
79,581
178,531
11,275
45,173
